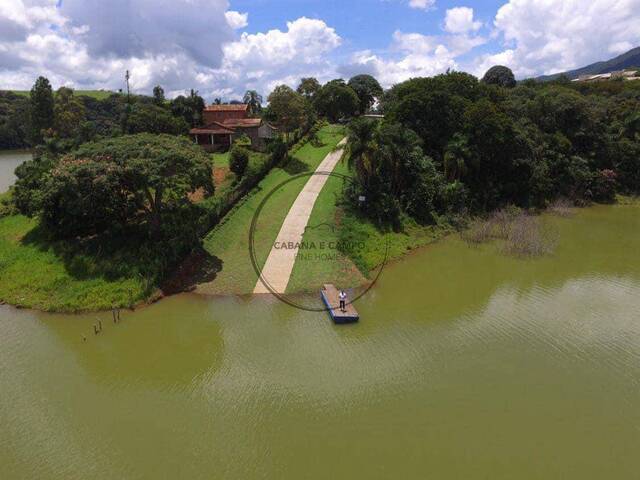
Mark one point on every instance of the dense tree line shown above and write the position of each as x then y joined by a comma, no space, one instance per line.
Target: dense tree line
63,120
451,144
297,110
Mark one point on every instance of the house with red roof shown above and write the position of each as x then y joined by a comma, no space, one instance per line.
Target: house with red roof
224,123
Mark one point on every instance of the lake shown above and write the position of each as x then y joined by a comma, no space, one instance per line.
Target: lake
466,364
9,160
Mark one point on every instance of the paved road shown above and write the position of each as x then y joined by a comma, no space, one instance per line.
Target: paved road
277,269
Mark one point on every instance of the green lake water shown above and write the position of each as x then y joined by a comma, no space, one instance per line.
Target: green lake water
466,364
9,160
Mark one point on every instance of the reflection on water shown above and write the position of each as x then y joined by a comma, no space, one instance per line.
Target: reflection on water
466,364
9,160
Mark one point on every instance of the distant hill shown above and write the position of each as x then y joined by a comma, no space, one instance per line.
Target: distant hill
626,60
97,94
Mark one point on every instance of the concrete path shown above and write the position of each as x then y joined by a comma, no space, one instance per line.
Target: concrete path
279,265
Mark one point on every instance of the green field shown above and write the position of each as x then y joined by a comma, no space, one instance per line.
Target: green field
229,241
97,94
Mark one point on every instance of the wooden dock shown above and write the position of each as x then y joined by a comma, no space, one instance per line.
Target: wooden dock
329,294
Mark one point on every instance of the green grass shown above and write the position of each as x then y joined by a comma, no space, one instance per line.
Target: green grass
229,241
220,160
97,94
57,276
322,262
380,245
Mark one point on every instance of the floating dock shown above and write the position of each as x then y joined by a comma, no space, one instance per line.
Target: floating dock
329,294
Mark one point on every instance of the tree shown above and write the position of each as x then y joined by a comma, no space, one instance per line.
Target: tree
148,117
336,100
69,113
288,107
238,160
254,100
308,88
139,179
190,108
158,95
367,89
42,106
500,75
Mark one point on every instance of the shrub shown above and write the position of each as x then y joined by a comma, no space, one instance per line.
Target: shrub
278,151
604,186
238,160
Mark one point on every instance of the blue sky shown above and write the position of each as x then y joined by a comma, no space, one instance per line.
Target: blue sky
223,47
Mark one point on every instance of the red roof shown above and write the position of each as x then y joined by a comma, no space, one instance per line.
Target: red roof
242,122
214,128
227,108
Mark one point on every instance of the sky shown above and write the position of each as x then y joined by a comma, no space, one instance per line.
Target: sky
224,47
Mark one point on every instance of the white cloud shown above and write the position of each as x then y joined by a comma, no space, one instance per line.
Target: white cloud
546,36
263,60
416,55
179,44
460,20
422,4
237,20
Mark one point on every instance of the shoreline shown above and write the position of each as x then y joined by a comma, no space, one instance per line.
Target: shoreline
158,295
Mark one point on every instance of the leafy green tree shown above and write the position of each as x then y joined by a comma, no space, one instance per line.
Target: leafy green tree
500,75
456,157
158,95
238,160
42,109
139,179
308,88
336,100
148,117
289,108
190,108
30,177
254,100
367,89
14,121
69,113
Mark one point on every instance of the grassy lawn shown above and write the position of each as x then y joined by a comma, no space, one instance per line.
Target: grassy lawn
221,160
378,244
322,262
97,94
49,276
229,241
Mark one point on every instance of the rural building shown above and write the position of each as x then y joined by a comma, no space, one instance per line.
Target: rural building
616,75
224,123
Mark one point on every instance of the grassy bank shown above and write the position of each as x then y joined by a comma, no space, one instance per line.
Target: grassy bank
229,241
72,276
64,276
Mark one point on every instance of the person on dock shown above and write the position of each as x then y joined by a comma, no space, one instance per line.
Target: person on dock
343,299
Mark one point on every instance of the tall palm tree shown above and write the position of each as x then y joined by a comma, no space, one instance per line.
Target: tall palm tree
362,149
254,100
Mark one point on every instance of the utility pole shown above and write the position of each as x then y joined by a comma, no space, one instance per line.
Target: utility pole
127,76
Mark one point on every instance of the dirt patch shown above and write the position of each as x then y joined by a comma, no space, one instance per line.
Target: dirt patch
220,175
